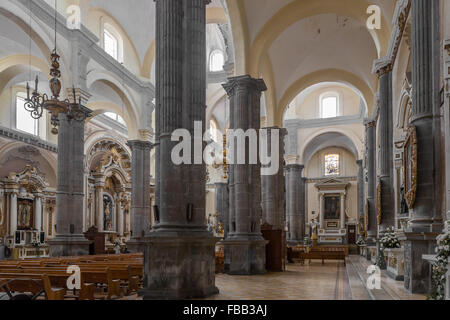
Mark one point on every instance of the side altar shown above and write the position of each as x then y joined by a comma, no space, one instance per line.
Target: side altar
332,214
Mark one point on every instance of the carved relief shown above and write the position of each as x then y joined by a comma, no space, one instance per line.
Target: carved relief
410,166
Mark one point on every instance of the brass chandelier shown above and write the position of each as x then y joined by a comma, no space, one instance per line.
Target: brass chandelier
36,103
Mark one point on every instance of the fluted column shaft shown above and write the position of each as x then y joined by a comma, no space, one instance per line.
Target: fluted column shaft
426,221
361,194
386,150
273,195
245,179
140,187
179,237
371,174
295,204
222,205
38,212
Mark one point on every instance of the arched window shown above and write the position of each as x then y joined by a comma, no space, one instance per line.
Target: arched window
115,117
329,106
112,42
24,121
216,61
332,165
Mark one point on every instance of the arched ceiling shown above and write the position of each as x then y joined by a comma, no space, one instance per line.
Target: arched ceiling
326,140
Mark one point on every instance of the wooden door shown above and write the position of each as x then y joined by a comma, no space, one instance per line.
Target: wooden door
351,234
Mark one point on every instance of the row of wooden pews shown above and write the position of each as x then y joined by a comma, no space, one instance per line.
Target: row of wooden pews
101,277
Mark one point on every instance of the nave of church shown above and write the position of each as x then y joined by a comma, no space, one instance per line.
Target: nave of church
225,149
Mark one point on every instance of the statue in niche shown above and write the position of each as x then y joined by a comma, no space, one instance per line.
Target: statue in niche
107,213
25,215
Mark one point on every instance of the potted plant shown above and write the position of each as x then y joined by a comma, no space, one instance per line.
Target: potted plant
360,243
390,240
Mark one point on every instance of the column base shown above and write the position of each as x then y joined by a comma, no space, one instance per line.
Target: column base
245,255
417,278
69,245
179,266
136,245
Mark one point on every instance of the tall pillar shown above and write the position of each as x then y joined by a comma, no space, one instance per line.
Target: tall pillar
38,212
245,246
222,205
179,258
69,240
447,128
371,184
273,197
295,212
386,148
140,194
99,185
342,220
361,194
322,210
120,206
426,221
12,212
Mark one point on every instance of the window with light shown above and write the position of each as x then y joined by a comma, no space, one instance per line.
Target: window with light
329,107
111,44
332,164
24,121
216,61
115,117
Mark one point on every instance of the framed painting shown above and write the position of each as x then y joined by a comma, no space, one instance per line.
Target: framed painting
410,166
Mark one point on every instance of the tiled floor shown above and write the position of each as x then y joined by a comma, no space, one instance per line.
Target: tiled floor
331,281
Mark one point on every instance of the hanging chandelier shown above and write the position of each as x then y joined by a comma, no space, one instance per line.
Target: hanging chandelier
36,103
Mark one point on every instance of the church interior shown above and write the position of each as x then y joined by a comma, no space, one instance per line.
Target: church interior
354,95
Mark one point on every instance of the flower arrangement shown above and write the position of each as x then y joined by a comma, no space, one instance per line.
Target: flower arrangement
439,269
389,239
360,241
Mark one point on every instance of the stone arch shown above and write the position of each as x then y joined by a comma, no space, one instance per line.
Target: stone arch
350,141
327,75
298,10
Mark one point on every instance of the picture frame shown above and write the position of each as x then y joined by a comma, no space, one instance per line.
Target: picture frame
410,166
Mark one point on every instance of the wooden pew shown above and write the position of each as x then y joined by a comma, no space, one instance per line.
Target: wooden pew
26,282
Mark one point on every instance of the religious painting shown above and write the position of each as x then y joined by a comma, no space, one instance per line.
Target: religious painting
410,166
332,207
107,213
331,164
24,214
2,217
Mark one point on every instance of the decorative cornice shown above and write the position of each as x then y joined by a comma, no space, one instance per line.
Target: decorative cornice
385,64
28,139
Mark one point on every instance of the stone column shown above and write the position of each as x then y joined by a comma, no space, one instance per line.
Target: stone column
38,212
371,184
447,128
386,148
69,240
273,197
12,213
426,221
322,210
361,194
342,222
120,217
179,249
245,246
140,194
295,213
222,205
99,185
